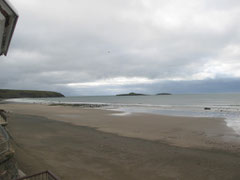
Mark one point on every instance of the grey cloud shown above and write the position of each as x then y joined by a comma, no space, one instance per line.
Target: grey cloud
85,41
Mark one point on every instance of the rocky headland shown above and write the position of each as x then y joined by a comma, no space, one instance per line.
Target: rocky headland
8,93
163,94
131,94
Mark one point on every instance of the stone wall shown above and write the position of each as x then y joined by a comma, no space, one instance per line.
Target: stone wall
8,164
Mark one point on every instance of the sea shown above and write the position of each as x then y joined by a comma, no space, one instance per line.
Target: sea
225,106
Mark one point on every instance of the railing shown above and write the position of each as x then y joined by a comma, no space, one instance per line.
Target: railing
46,175
4,141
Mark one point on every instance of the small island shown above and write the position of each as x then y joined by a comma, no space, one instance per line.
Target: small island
131,94
164,94
8,93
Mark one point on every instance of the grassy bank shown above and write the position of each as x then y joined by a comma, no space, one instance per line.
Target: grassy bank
7,93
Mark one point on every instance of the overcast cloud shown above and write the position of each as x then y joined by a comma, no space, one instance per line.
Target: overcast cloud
115,46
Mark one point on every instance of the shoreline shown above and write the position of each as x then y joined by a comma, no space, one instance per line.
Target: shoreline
197,132
74,152
229,114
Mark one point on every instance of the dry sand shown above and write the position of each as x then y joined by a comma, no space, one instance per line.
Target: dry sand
79,143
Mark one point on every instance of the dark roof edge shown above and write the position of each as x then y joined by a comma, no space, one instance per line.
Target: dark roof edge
11,7
14,24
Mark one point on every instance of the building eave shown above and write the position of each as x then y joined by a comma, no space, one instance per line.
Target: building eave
11,31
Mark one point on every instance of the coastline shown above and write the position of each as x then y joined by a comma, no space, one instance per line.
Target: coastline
76,151
196,132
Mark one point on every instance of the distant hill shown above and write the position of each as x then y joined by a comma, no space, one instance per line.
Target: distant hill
131,94
164,94
7,93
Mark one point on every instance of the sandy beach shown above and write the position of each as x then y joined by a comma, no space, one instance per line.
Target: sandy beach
78,143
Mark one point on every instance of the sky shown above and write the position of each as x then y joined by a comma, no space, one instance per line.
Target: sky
107,47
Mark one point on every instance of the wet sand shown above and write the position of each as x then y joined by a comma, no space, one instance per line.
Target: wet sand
179,131
79,143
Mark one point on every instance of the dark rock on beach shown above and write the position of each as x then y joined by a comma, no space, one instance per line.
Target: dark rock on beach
207,108
80,105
